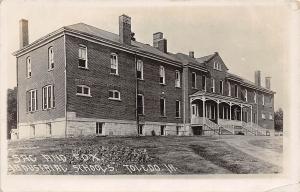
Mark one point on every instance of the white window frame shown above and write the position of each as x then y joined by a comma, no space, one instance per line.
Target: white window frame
81,56
164,109
221,86
114,98
28,67
270,116
236,90
140,67
246,95
49,102
32,100
82,90
263,116
162,74
98,128
143,103
229,88
179,108
114,63
263,99
213,87
255,97
50,58
194,78
177,79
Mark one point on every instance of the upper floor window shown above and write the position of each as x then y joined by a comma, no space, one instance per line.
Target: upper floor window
83,90
114,94
32,100
204,83
221,87
194,80
263,116
236,91
139,70
229,88
163,107
28,67
50,58
114,64
217,66
140,104
162,75
246,95
82,55
177,79
255,97
48,97
213,85
263,99
270,116
177,108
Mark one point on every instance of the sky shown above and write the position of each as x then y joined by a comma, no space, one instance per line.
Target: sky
248,37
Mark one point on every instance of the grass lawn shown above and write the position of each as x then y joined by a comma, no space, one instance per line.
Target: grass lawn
141,155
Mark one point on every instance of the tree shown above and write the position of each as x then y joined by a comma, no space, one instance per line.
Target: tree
11,110
278,119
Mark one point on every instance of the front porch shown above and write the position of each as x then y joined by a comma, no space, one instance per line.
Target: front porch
216,114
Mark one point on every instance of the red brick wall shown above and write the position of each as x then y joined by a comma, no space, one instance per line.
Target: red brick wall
41,77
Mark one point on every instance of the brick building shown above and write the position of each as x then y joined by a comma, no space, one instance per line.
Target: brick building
81,80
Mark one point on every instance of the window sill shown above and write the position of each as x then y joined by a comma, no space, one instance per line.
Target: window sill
50,69
194,88
163,116
114,99
115,74
164,84
28,77
178,117
84,68
140,79
141,115
32,111
48,109
178,87
82,95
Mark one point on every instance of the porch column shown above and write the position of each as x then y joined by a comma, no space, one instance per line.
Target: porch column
251,115
230,111
241,112
203,111
218,109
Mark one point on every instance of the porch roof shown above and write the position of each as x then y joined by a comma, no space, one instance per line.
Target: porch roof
221,98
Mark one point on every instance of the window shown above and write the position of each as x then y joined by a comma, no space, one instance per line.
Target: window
221,87
194,80
229,88
49,129
212,85
114,95
50,58
162,130
217,66
162,107
48,97
140,104
177,108
177,79
177,130
270,116
162,77
82,55
32,130
99,127
263,99
246,95
28,67
236,91
254,97
139,70
32,100
263,116
140,131
114,64
194,110
83,90
204,83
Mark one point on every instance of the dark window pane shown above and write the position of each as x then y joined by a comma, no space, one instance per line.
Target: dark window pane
139,74
162,107
111,94
82,63
79,89
140,107
113,71
117,96
85,90
161,80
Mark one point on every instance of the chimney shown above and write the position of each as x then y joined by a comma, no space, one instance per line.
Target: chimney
23,23
159,42
268,82
125,29
257,78
191,54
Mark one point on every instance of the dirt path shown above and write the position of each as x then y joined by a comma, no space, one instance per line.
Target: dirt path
264,154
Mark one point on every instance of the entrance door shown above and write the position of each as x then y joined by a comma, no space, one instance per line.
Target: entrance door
197,130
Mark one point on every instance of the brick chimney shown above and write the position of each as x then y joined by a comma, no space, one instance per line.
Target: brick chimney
24,39
159,42
268,82
257,78
191,54
125,29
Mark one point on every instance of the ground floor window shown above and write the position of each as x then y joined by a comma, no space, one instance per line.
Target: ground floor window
177,130
49,129
141,129
33,130
99,127
162,129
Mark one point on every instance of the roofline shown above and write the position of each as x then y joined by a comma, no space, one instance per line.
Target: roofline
66,31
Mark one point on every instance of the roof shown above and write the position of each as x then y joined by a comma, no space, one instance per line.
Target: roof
204,59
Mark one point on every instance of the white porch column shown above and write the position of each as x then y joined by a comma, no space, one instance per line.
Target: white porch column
203,110
241,112
218,110
251,115
230,111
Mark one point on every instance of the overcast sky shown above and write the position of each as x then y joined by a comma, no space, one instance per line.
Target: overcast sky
248,38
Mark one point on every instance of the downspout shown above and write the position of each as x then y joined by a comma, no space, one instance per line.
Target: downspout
18,100
136,95
65,58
